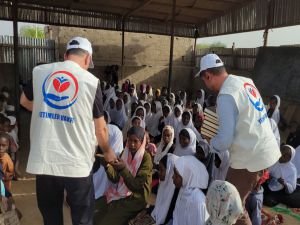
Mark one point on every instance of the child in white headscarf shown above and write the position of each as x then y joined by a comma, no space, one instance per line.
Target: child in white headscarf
221,165
190,176
118,116
284,174
223,203
166,144
200,97
175,118
186,143
153,122
273,111
186,122
167,193
127,103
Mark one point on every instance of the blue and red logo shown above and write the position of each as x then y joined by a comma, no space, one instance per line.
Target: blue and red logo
60,90
254,96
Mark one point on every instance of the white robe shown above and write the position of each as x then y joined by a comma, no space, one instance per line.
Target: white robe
275,130
190,206
221,172
296,160
165,193
287,171
190,149
100,179
160,153
153,122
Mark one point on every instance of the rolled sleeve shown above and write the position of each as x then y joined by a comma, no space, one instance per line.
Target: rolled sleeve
228,113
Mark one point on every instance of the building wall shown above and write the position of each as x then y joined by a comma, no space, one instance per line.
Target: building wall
146,56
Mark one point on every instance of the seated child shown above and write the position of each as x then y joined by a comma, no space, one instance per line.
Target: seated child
166,144
167,193
131,178
5,160
190,176
254,202
186,145
283,178
100,179
221,165
223,203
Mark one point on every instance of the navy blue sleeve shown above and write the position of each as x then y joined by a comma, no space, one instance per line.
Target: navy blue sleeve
98,103
28,90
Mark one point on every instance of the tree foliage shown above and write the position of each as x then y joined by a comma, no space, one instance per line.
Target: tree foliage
213,45
32,31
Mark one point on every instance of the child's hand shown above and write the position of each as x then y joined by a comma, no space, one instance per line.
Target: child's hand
118,164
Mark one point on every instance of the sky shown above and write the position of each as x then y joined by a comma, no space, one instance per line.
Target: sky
277,37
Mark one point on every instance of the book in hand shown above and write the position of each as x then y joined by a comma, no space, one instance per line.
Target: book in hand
210,124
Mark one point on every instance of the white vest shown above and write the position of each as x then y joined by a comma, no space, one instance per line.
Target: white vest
254,146
62,133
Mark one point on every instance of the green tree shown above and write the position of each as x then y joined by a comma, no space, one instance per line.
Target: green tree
32,31
213,45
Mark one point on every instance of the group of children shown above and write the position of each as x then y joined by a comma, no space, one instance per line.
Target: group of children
9,145
165,153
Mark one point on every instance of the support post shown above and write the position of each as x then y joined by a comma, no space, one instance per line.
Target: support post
270,15
171,47
16,55
123,43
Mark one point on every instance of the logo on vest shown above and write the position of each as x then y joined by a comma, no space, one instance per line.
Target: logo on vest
60,90
254,97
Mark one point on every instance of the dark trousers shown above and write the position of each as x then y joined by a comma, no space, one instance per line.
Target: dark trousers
80,197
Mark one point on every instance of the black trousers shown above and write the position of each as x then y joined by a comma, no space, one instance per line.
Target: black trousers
80,197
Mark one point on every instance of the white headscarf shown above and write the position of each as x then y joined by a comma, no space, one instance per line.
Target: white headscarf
175,121
128,104
143,119
169,119
153,121
165,193
100,179
172,100
189,125
184,100
106,105
119,117
296,160
224,203
190,206
149,114
221,172
160,152
201,100
190,149
276,113
275,130
110,92
287,171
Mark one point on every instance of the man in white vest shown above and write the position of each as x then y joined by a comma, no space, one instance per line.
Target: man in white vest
67,123
244,127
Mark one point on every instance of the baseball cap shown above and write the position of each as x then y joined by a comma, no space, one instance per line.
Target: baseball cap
209,61
82,43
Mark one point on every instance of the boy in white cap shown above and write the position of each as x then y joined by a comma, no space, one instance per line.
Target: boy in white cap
244,127
67,122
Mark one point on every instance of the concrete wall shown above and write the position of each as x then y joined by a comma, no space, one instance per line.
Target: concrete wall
146,55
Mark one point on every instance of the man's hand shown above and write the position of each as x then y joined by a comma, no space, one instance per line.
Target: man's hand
110,156
118,164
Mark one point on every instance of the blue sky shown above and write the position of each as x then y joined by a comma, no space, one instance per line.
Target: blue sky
277,37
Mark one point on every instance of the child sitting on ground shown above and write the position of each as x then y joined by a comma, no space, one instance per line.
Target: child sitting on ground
131,178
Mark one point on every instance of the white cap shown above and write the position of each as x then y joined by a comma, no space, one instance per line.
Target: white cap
12,120
209,61
82,43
